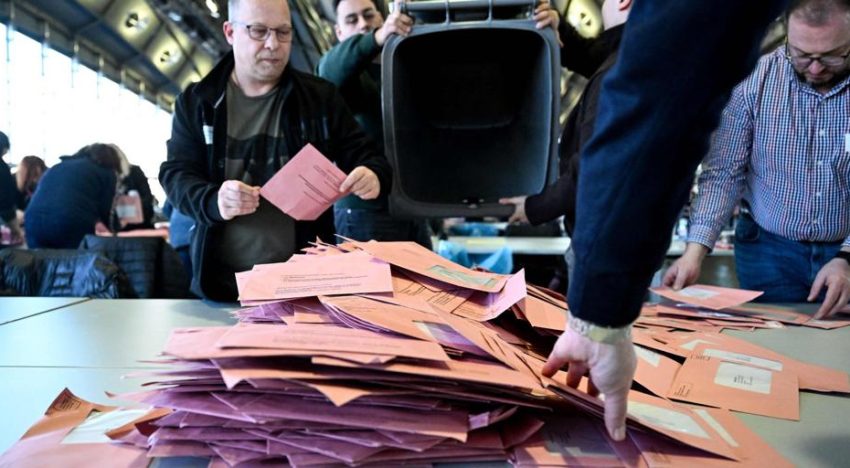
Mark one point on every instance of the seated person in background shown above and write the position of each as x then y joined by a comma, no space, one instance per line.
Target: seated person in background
26,178
8,195
354,65
559,199
233,130
790,168
135,183
72,197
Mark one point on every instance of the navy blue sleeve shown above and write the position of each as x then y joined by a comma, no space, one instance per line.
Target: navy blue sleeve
678,62
8,193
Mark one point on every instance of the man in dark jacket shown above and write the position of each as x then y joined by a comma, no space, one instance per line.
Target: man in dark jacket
233,130
657,107
354,65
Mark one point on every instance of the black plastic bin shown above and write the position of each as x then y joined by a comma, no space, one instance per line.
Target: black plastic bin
470,108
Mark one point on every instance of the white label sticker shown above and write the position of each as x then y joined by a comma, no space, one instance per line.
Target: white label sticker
715,424
751,379
847,142
743,359
667,419
126,211
93,430
208,134
697,292
690,345
651,357
705,313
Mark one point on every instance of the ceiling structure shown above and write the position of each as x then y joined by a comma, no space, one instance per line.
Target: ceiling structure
157,47
153,48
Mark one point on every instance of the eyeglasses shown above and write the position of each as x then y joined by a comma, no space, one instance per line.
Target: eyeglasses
803,61
259,32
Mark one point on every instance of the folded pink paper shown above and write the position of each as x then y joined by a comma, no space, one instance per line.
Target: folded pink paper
306,186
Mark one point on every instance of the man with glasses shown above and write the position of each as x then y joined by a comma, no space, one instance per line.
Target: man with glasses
236,128
783,148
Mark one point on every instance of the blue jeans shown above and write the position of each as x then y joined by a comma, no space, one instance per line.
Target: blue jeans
365,225
783,268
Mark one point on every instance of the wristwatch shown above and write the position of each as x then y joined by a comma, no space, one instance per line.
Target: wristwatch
598,333
844,255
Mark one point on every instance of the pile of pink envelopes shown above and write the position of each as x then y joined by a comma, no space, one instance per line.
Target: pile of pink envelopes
381,354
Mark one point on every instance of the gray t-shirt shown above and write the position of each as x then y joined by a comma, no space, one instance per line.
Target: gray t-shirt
256,150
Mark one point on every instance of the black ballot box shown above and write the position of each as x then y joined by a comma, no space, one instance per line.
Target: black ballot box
470,103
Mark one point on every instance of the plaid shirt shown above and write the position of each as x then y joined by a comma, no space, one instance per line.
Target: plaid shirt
785,149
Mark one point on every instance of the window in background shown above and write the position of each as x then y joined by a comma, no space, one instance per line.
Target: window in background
50,106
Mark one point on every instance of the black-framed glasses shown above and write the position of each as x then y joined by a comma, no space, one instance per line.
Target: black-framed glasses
260,32
803,61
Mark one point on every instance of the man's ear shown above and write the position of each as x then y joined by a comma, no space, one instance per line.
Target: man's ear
338,32
227,27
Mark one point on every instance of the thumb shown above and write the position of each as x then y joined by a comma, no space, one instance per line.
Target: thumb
350,180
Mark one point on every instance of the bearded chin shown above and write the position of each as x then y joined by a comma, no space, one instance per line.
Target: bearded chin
836,78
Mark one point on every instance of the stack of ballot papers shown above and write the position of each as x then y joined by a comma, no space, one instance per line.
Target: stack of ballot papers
383,354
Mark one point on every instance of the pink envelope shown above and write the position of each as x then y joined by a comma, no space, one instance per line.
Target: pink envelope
712,297
728,382
53,441
306,186
349,273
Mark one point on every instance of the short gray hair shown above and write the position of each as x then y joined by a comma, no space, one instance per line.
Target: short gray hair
817,12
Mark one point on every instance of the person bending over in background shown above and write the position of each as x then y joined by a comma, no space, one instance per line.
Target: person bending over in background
72,197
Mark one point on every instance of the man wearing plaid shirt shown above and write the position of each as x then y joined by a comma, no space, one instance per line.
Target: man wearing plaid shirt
783,149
